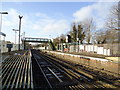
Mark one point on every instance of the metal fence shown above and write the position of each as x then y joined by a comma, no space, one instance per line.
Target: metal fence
104,49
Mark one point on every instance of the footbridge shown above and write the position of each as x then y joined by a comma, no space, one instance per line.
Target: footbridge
38,40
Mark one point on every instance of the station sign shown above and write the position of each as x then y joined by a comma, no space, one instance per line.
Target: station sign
3,34
9,45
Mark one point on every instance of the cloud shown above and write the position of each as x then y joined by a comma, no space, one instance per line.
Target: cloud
56,27
49,26
9,22
59,0
99,11
12,16
83,13
34,24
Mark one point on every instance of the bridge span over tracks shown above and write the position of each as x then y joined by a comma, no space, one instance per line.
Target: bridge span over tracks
38,40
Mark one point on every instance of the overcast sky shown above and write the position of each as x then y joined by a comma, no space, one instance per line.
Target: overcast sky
50,19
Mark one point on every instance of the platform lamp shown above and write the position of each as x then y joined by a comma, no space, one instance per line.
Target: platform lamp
20,17
0,31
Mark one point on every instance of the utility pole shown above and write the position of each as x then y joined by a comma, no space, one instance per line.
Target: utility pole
20,17
77,41
1,43
1,13
23,40
15,36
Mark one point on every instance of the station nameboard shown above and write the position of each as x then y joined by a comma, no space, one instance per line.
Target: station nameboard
9,45
3,34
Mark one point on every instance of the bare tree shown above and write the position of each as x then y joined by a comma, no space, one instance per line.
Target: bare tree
62,38
88,26
111,36
100,37
113,23
113,20
56,41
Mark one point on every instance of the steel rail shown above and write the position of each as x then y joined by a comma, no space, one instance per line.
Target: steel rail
43,72
101,77
70,66
99,85
73,75
54,74
28,72
31,71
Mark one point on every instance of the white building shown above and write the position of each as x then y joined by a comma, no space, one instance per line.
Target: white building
3,46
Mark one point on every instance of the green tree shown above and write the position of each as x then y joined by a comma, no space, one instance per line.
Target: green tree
73,33
81,34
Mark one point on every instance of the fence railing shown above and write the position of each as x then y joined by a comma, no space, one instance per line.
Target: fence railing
104,49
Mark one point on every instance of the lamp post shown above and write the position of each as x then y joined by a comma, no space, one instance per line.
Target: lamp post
23,42
1,29
1,42
4,35
77,38
15,30
20,17
23,34
1,19
3,12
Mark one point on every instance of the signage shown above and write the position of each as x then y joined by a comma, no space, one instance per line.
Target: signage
9,45
3,34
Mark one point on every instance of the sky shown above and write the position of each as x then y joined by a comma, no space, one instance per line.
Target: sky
50,19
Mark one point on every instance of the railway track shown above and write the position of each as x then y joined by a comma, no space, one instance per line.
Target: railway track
50,75
58,75
111,81
33,69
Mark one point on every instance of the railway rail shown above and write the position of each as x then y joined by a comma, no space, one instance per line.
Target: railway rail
32,69
49,75
57,75
111,81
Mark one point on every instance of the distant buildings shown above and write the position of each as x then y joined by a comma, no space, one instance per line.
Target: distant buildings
3,46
